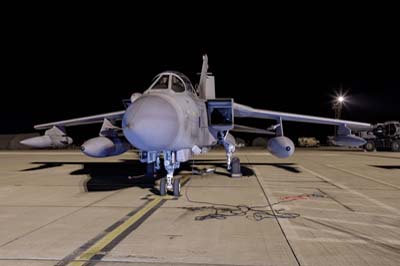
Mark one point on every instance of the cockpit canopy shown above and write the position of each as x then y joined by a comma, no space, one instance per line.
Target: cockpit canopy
174,81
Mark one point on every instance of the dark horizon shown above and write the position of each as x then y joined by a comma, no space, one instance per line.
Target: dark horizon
62,74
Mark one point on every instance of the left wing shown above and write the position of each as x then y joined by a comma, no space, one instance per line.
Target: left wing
83,120
55,135
247,111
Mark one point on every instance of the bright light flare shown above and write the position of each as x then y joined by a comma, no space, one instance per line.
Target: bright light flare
340,98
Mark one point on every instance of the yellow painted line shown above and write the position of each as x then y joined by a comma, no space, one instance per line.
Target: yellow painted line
101,243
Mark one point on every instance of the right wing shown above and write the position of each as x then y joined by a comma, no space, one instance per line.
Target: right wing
247,111
246,129
83,120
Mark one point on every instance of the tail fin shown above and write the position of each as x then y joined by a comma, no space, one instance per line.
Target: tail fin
206,84
203,74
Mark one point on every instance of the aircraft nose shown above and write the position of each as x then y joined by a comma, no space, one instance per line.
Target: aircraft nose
151,123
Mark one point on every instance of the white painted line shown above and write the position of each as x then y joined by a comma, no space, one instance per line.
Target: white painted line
331,240
319,230
376,202
295,207
341,221
352,241
363,176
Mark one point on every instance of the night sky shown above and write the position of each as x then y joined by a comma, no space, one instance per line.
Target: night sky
64,66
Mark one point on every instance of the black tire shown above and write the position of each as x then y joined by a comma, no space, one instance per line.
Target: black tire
177,187
395,145
163,186
235,167
370,146
150,169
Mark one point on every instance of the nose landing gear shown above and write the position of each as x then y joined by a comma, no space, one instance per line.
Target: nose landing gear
176,187
169,183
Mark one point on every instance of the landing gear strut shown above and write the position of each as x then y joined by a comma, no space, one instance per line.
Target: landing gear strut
169,183
229,149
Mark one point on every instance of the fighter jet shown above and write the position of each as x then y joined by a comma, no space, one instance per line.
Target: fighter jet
173,121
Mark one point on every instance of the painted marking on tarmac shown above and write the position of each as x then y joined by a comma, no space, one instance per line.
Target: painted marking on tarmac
358,235
364,176
380,215
279,222
376,202
335,200
325,179
95,249
342,221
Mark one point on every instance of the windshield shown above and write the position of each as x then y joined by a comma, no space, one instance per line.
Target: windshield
162,83
177,85
189,86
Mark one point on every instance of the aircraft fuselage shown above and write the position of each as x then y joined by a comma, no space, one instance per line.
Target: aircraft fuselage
163,120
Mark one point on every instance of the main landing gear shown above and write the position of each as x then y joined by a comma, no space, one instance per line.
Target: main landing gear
232,163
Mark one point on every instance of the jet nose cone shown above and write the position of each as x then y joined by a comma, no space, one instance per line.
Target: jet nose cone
151,123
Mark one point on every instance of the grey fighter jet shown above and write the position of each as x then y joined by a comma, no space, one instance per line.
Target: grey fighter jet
173,120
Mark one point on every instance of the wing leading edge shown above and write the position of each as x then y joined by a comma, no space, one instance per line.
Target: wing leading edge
247,111
83,120
246,129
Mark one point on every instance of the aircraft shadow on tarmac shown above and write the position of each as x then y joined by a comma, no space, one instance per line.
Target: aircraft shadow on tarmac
388,167
246,171
105,176
108,176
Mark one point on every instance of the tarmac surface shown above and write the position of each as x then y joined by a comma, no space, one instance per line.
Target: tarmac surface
319,207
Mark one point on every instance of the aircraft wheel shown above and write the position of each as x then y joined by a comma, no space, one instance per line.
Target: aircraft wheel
369,146
150,169
177,187
163,186
235,167
395,146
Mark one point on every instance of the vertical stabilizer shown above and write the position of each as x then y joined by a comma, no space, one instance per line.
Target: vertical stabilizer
207,82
